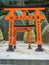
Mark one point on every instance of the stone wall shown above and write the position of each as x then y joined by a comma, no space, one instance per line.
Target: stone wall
24,62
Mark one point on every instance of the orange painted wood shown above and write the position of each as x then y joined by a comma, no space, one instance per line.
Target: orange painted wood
24,9
12,29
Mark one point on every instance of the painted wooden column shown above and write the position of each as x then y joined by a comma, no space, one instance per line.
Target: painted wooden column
38,18
11,36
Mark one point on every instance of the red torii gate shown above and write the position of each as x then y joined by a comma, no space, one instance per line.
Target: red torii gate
13,29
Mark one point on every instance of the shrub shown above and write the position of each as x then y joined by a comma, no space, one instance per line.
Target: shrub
45,34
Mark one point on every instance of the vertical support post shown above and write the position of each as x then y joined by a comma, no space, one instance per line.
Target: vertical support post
29,42
10,37
24,14
11,30
14,39
12,27
38,30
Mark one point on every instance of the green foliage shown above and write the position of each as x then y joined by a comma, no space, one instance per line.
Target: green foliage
3,12
38,1
47,13
44,23
4,24
32,37
45,34
1,36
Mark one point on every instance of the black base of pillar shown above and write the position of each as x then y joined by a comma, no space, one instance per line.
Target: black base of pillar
29,47
10,48
40,49
14,47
